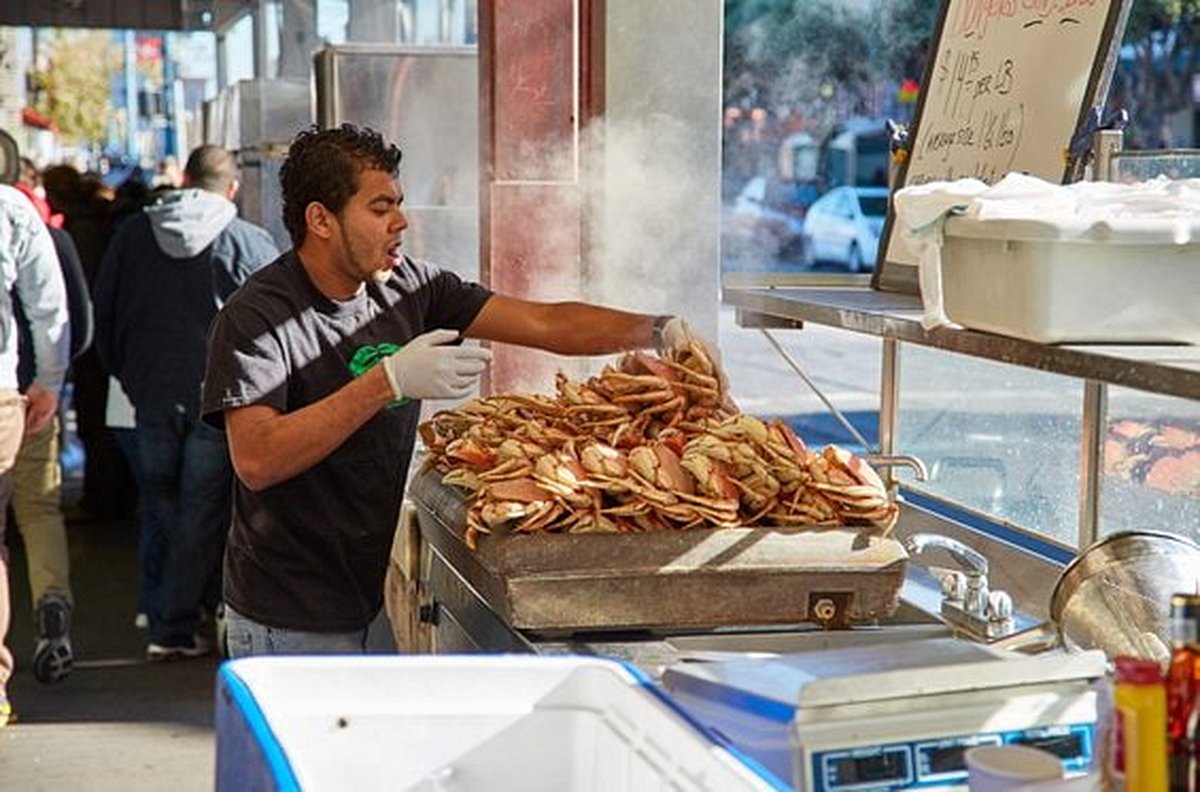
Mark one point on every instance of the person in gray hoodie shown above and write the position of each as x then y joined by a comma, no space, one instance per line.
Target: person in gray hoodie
165,274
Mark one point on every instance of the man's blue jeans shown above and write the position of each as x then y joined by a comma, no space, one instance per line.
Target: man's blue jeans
245,638
151,547
189,483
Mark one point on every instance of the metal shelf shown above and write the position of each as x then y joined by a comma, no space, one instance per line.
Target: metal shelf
1170,370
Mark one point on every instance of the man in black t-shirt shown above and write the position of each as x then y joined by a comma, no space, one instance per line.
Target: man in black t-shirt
316,367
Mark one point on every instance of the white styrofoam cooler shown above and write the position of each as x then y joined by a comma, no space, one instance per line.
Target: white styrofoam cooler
450,724
1134,280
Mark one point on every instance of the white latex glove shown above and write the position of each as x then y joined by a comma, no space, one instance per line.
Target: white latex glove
677,335
426,368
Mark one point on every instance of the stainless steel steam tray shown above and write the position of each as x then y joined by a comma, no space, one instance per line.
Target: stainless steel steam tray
668,580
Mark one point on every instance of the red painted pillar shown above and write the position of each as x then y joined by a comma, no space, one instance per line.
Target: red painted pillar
539,83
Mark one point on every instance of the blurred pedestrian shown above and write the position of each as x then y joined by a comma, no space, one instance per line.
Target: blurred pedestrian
163,279
37,483
109,491
28,263
29,181
133,194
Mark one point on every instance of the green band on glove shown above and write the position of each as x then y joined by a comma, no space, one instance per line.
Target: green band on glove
367,357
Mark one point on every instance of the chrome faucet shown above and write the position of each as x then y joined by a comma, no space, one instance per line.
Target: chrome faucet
967,602
898,460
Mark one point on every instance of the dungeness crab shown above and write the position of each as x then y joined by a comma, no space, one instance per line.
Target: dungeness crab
648,444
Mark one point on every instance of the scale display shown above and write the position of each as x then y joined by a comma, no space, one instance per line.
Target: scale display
868,768
945,760
930,763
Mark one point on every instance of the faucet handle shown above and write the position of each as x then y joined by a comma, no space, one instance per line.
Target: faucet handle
968,603
954,584
1000,606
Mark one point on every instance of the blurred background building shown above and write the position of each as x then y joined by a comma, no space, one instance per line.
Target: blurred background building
123,84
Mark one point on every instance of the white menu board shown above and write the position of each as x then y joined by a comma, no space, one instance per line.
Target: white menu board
1008,84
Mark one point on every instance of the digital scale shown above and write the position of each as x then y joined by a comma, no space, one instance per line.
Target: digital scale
898,715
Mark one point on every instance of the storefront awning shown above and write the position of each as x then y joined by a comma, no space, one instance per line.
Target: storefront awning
33,118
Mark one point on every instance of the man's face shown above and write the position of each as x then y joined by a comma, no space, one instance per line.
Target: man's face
371,224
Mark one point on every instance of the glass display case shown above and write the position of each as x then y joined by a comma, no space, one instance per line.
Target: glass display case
1041,448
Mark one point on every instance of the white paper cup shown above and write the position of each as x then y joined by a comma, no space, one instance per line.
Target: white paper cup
1001,768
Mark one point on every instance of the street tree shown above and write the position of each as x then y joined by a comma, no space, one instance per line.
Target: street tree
74,86
825,58
1159,58
901,32
748,76
822,47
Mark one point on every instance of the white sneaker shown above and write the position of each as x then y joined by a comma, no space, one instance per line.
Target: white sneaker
199,647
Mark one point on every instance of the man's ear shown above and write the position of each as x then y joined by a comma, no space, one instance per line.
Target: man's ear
319,220
232,190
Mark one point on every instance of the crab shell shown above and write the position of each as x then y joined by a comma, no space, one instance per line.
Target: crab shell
784,434
602,459
853,465
712,476
641,363
466,450
659,464
522,490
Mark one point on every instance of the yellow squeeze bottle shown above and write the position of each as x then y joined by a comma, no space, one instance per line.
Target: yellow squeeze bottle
1140,710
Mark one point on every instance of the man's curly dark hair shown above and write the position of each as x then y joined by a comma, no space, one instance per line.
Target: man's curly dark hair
323,165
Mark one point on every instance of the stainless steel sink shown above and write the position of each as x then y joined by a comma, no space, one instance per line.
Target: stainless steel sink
708,647
911,613
915,619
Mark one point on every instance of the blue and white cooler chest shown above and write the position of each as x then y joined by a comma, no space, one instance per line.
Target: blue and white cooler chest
451,724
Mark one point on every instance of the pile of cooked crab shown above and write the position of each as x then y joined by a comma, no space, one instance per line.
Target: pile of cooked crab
650,444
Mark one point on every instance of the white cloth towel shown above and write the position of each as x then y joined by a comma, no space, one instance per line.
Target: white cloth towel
921,212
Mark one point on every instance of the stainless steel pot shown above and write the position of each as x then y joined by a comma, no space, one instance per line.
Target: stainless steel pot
1115,595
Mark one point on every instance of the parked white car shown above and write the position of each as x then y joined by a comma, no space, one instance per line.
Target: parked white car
767,220
844,225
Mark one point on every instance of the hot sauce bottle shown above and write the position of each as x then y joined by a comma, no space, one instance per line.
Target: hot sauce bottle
1183,691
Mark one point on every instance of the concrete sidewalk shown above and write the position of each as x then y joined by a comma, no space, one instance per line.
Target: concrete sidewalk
118,723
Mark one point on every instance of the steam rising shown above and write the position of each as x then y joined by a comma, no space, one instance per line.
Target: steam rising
630,204
654,199
648,215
